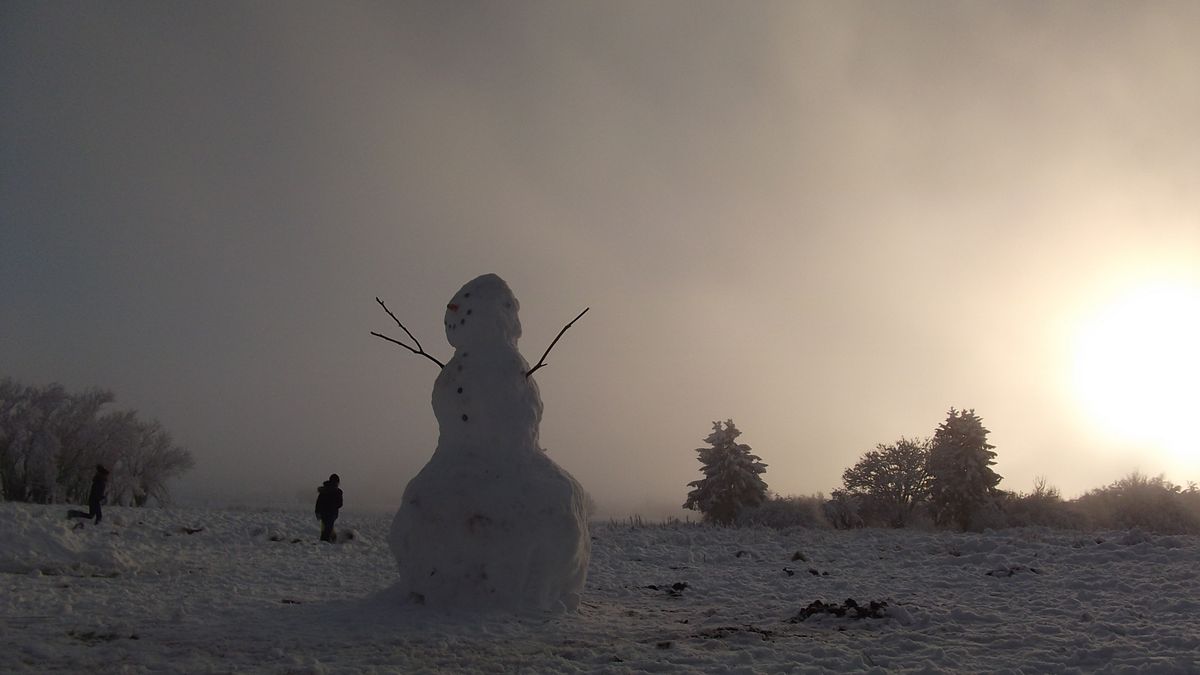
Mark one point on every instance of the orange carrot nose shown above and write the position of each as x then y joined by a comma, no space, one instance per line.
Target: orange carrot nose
452,307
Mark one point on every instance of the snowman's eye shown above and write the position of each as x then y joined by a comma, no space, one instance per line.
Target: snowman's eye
466,295
468,312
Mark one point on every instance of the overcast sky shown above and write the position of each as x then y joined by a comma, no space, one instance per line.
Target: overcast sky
829,221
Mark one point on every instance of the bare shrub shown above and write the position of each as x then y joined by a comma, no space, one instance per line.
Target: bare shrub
1044,507
1151,503
780,512
843,511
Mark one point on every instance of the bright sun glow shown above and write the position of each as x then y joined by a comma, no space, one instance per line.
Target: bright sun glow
1137,369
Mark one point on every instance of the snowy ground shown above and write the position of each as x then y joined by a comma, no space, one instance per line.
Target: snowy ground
197,591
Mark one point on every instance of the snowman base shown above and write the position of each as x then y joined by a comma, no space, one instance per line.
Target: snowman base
511,535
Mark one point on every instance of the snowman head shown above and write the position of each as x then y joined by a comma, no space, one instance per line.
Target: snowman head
482,312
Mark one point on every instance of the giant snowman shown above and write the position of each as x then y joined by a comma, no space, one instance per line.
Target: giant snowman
490,521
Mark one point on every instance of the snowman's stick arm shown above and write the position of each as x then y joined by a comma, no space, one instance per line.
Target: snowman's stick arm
419,350
542,361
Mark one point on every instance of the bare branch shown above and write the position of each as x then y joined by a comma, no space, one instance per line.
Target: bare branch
410,335
542,361
419,350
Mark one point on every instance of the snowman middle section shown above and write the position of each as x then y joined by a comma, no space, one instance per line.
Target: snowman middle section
482,399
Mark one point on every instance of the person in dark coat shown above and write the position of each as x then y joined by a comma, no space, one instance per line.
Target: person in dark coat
329,500
95,496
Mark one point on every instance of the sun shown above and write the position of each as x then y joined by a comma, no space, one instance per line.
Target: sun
1137,369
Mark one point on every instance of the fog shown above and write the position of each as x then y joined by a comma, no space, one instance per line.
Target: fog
830,222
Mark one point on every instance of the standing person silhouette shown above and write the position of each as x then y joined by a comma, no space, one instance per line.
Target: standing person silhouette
95,496
329,500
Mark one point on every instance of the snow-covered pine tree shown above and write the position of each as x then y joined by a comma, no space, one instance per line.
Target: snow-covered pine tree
731,480
961,478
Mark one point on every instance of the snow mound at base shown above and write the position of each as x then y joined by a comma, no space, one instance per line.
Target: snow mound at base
39,543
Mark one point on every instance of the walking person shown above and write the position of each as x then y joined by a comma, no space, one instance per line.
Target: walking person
95,496
329,500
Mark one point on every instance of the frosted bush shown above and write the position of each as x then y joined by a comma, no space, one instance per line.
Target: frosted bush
1154,504
783,512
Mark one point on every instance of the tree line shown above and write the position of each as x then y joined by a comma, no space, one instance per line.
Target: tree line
945,480
51,441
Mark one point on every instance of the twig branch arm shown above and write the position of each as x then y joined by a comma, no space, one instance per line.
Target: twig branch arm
410,335
397,342
542,361
419,350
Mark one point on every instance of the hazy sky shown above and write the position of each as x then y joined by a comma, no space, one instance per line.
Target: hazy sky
830,221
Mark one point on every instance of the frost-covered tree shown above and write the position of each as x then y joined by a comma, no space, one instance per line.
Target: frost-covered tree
13,400
76,429
51,440
732,477
891,480
145,466
28,440
961,477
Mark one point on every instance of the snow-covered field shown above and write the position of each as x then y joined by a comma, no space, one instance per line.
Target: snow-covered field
200,591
